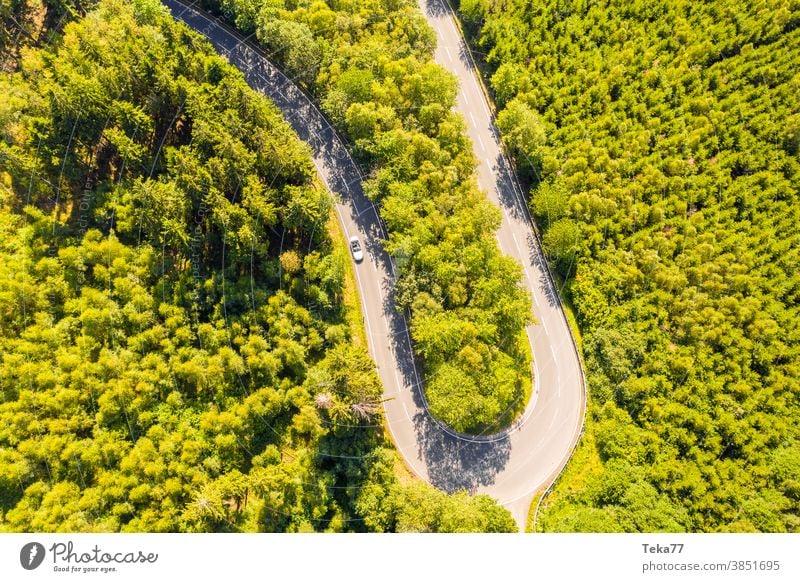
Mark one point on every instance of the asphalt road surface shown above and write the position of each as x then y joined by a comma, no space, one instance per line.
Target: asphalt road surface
510,466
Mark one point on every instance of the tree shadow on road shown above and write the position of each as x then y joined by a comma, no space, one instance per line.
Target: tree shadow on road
436,8
454,464
514,205
539,261
510,200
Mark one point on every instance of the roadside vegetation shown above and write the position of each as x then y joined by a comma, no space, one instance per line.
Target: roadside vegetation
370,66
661,142
177,346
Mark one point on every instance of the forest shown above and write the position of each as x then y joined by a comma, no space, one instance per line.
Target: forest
369,64
661,144
177,352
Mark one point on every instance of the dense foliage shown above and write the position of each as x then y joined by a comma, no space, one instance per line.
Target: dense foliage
370,65
30,22
662,140
174,346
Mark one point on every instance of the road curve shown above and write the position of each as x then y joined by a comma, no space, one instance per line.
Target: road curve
511,466
553,420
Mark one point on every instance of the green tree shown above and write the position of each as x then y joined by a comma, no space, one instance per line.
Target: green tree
523,134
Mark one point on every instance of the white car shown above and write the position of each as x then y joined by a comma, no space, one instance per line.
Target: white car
355,247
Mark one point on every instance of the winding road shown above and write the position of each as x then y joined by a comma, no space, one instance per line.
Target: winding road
511,466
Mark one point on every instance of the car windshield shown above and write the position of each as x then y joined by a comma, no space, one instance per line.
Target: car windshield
354,244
